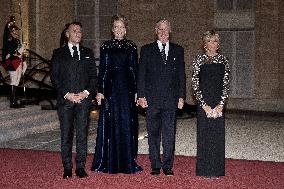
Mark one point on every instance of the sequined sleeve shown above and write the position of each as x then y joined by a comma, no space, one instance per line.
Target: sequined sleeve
195,80
226,80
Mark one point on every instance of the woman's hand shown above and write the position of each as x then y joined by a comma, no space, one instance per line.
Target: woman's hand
99,98
217,111
208,110
218,108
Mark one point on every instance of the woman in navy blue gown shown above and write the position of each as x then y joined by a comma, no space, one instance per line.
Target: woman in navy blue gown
117,133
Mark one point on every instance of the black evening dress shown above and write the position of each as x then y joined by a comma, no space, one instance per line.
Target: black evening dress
117,132
210,85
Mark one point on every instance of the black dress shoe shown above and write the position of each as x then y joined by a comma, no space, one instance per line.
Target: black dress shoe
155,171
81,173
67,173
168,172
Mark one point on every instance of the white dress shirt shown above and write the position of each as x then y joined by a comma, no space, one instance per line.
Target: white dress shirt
72,51
160,45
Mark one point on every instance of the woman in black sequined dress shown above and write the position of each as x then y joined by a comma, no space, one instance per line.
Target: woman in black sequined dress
210,85
117,133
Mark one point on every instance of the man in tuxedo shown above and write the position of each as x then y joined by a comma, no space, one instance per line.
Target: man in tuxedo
161,89
74,77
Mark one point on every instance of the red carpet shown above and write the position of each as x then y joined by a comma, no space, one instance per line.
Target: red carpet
40,170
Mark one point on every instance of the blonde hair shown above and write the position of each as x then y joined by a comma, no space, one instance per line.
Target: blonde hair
120,17
209,35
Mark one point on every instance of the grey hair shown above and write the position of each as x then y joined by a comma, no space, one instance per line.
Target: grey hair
161,20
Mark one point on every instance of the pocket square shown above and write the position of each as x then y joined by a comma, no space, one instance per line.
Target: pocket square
174,58
87,57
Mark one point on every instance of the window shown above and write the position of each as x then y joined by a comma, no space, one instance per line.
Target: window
225,5
235,5
237,43
244,4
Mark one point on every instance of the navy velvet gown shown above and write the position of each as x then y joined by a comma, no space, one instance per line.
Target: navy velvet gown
117,133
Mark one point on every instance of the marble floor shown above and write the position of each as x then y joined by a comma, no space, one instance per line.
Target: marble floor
248,136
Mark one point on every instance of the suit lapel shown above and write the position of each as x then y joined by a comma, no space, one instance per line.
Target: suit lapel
157,52
156,49
82,53
67,53
170,53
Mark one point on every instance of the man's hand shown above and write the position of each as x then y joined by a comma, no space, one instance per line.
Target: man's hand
21,51
83,95
142,102
8,56
75,98
99,98
180,103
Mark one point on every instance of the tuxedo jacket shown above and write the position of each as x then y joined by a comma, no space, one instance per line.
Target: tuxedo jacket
161,83
71,75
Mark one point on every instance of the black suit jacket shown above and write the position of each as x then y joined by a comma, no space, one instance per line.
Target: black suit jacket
71,75
162,84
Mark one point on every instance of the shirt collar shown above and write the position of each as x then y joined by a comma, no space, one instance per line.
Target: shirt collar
161,46
70,46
